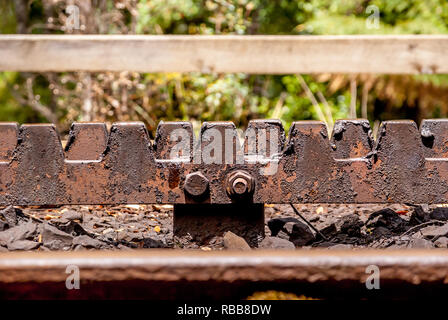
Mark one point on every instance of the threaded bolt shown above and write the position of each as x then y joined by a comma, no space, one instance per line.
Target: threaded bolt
196,184
239,183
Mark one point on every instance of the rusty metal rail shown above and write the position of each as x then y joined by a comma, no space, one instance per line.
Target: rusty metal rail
213,275
123,166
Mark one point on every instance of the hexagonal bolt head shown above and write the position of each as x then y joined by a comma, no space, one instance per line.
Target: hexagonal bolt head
196,184
239,183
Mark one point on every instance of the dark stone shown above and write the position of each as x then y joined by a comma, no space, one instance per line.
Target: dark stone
381,232
88,242
420,244
21,232
420,215
434,231
440,213
441,242
9,213
111,235
3,225
291,230
351,225
79,248
324,244
286,231
123,235
123,247
329,231
301,234
276,243
343,238
234,242
23,245
55,239
72,215
387,218
277,224
73,228
153,243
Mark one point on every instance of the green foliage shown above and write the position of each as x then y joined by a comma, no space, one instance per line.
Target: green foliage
10,108
236,97
194,17
8,20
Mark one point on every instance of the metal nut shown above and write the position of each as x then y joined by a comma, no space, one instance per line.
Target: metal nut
196,184
239,183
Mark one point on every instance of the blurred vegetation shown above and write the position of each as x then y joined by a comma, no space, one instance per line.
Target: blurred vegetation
277,295
66,97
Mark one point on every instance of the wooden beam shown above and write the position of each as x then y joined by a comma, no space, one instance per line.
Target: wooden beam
405,54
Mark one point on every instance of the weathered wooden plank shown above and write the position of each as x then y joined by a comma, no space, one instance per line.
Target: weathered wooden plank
406,54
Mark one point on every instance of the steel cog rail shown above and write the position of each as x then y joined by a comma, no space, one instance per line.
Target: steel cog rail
122,166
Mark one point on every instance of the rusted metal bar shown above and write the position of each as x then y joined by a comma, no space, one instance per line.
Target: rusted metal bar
170,274
123,166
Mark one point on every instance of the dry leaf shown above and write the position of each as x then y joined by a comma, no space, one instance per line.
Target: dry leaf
49,217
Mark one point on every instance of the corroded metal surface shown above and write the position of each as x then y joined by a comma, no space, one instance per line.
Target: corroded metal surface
413,266
404,165
192,274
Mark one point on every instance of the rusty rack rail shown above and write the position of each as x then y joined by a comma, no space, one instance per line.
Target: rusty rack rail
122,166
97,167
